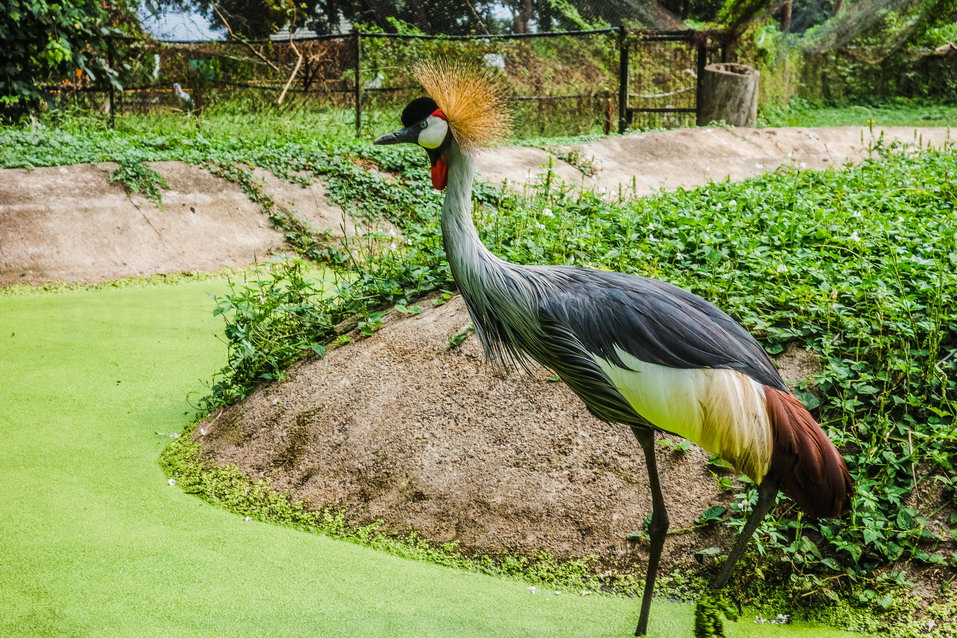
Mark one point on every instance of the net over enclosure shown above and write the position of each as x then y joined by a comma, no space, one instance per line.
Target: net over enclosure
562,81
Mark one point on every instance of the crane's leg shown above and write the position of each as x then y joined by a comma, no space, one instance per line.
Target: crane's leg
766,493
657,530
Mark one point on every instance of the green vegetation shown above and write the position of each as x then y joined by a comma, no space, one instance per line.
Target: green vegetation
99,544
826,260
900,112
50,41
838,262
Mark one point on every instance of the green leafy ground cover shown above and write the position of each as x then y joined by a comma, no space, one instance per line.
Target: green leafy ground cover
96,542
856,266
900,112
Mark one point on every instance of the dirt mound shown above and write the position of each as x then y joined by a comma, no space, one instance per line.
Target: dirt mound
643,163
71,224
400,428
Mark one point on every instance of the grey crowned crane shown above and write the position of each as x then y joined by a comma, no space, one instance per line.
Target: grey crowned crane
636,351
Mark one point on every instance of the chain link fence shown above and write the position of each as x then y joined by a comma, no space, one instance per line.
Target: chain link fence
562,83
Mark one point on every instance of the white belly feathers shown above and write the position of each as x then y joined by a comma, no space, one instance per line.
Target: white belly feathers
721,410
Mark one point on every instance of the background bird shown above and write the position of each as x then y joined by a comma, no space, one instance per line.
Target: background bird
376,82
185,99
637,351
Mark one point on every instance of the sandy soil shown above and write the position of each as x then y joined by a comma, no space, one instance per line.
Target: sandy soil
70,223
641,164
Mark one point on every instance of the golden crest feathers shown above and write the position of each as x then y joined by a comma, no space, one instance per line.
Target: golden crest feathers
471,99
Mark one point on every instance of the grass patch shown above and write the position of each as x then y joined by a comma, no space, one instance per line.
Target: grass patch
899,112
856,266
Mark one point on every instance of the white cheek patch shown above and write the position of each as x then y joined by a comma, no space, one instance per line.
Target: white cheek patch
433,135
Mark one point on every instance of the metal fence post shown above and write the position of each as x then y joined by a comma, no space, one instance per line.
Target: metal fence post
109,61
623,46
358,83
702,48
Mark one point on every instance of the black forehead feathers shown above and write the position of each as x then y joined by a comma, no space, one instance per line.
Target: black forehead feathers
417,110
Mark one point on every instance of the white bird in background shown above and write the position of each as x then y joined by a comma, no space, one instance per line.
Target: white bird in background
185,100
375,83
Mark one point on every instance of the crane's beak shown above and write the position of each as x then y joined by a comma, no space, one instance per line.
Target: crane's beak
409,134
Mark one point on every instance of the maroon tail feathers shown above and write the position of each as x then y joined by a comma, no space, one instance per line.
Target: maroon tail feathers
808,467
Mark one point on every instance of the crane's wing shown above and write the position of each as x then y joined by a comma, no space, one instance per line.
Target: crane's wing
651,320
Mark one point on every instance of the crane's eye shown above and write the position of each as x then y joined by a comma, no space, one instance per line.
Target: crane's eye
434,130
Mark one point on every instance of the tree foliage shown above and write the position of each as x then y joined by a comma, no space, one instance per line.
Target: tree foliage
54,43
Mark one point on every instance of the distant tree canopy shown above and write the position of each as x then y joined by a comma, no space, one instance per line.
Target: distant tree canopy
258,18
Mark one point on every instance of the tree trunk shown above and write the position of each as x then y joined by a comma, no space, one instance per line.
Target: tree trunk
525,14
729,93
786,16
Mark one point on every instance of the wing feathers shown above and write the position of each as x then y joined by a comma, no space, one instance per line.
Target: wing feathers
650,320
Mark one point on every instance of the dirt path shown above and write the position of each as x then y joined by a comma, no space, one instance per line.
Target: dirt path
641,164
70,223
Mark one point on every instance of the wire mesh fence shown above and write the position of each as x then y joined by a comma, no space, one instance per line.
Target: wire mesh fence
662,83
562,83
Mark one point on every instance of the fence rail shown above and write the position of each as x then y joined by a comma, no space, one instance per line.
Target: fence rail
568,82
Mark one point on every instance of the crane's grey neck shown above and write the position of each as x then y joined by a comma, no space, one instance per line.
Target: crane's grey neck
497,293
462,244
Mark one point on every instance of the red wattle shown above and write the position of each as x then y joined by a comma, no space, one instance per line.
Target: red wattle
440,174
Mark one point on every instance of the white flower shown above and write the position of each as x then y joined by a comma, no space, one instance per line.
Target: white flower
733,202
679,256
547,212
854,236
782,268
857,213
532,590
246,519
172,481
539,226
